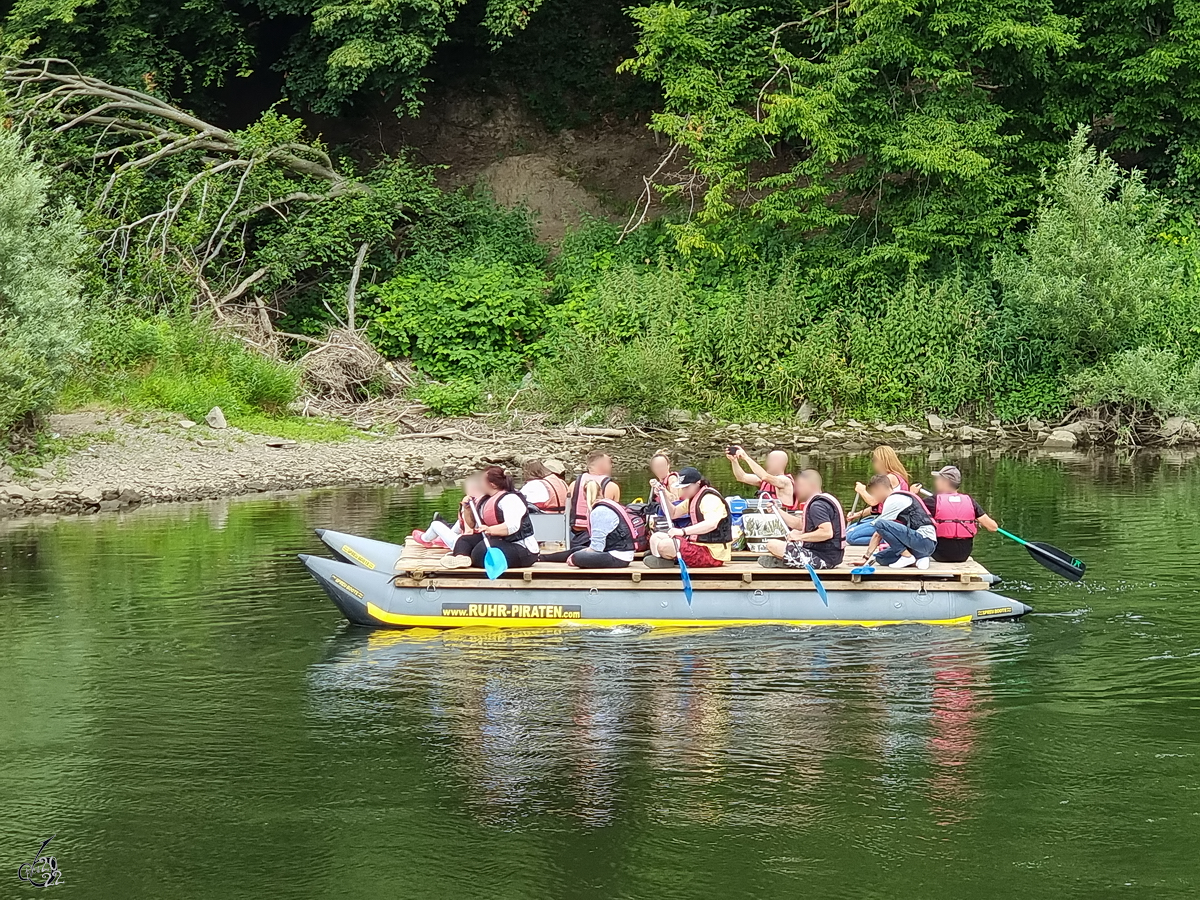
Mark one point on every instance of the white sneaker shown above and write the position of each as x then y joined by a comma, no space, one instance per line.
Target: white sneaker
902,563
454,562
923,562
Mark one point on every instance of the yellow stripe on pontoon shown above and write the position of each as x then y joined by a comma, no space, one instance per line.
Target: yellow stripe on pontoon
487,622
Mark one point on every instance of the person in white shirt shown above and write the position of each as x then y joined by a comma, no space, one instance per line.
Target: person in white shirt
504,518
903,522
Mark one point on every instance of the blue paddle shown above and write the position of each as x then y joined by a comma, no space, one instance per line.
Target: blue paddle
495,563
684,575
812,573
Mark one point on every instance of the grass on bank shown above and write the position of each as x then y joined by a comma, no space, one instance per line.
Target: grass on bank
183,366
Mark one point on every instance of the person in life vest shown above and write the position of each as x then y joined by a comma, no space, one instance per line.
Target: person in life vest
598,472
818,535
772,480
956,517
594,483
903,522
884,461
543,489
611,538
707,541
663,479
440,533
504,518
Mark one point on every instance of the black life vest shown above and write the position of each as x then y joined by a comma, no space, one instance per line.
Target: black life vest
489,512
915,515
723,533
630,533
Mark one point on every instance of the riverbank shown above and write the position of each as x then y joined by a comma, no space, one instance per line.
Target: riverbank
118,461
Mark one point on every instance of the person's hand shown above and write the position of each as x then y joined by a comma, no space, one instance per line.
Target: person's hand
742,454
571,560
675,532
731,456
859,486
794,534
916,488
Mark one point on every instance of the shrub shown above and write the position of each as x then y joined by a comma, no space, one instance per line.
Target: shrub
460,397
1141,380
40,336
1091,265
477,319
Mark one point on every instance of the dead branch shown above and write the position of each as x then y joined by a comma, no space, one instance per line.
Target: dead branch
354,275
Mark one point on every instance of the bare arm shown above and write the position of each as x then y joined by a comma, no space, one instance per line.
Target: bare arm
612,491
762,474
988,522
739,473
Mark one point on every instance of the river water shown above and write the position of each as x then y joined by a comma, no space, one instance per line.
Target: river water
189,717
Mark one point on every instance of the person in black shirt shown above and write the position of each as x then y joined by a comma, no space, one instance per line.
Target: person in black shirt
955,514
818,532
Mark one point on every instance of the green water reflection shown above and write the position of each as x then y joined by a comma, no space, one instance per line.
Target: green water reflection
181,706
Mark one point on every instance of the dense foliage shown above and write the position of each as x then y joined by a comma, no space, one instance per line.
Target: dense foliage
40,335
872,208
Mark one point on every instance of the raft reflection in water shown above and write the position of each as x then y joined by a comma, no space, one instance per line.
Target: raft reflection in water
755,727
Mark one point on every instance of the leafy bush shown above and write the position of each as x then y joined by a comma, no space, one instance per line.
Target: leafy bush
476,319
1088,269
39,286
460,397
1141,380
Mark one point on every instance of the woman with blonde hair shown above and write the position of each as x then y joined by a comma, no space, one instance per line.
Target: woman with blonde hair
884,461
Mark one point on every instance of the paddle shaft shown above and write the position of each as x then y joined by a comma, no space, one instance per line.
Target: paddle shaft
812,572
684,576
479,521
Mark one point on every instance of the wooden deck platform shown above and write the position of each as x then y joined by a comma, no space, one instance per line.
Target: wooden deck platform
420,567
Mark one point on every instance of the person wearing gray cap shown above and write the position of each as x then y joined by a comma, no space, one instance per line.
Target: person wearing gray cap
956,516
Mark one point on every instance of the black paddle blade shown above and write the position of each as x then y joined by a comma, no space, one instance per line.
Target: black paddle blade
1057,561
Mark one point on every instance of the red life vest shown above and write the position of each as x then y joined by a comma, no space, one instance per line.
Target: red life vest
489,512
557,489
841,514
579,506
723,533
954,516
765,487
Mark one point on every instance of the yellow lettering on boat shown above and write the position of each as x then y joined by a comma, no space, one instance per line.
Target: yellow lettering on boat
511,611
357,557
998,611
347,587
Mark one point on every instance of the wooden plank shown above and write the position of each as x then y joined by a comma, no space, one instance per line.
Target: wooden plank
736,571
482,584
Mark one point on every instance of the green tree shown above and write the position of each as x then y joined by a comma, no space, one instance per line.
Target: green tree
39,287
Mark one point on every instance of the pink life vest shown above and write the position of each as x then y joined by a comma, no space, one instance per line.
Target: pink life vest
579,506
954,516
638,538
557,490
840,512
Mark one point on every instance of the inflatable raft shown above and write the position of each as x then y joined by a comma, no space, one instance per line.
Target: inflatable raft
387,585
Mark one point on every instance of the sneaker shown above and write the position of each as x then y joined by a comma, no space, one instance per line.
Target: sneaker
455,562
767,561
419,537
923,562
651,561
902,563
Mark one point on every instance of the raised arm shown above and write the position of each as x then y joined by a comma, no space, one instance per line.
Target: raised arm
760,473
738,472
